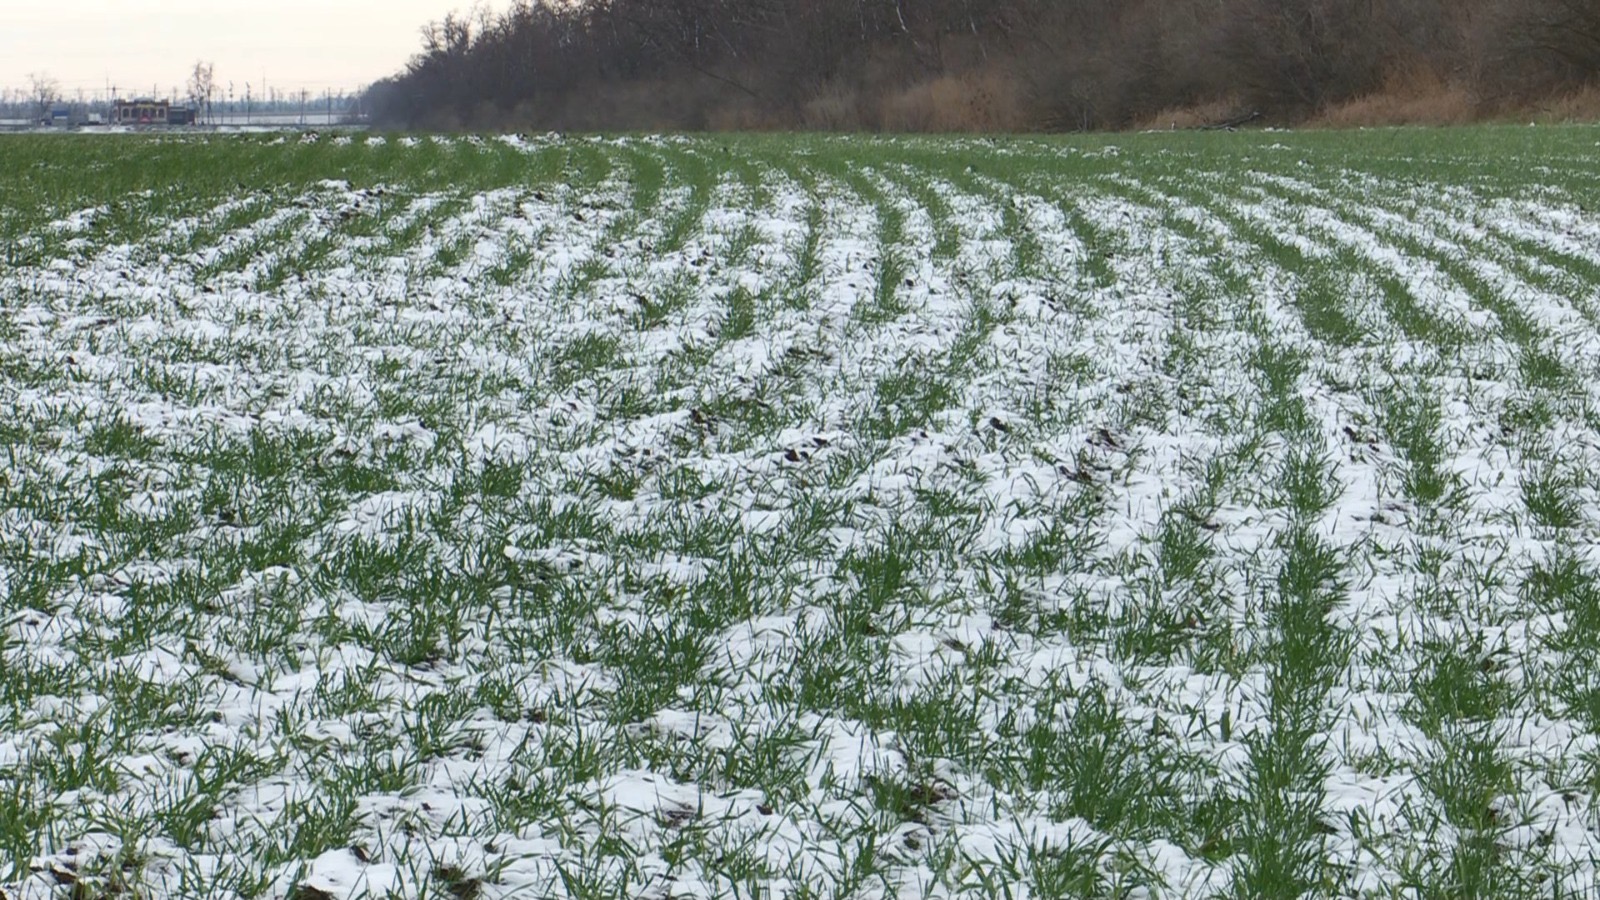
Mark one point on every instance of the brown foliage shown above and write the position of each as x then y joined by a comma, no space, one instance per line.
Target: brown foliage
1208,114
1581,105
1414,96
974,102
997,65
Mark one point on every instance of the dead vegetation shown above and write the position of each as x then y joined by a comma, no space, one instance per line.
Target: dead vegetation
1006,65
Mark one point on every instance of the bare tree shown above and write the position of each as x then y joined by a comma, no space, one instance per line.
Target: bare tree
43,92
1075,64
1549,44
202,84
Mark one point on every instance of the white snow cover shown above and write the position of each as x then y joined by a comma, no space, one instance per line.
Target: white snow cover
796,529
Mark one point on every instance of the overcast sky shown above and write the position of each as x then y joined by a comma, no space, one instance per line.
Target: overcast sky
137,44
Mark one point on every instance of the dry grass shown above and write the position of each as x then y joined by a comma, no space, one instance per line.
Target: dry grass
1200,115
1413,97
740,115
1408,97
834,108
1582,105
1452,107
985,102
993,101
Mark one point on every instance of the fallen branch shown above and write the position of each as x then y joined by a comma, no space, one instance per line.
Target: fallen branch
1234,123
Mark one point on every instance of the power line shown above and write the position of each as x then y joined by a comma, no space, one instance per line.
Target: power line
313,85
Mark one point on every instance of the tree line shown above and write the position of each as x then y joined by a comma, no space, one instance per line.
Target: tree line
952,65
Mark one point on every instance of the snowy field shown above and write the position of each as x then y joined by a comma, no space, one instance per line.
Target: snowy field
1166,516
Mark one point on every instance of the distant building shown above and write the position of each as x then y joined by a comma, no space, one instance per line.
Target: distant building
150,112
140,112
